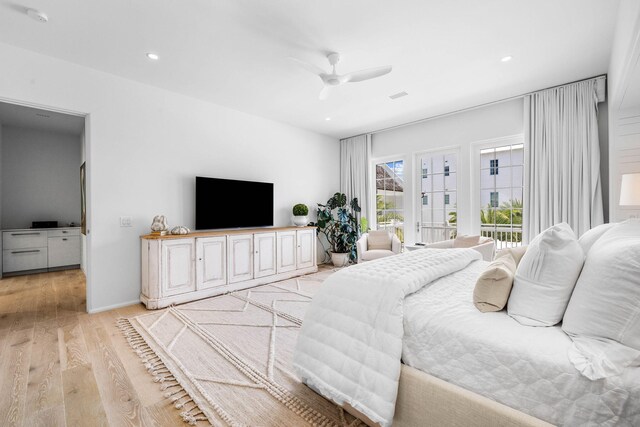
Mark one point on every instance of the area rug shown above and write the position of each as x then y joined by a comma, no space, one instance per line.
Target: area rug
227,360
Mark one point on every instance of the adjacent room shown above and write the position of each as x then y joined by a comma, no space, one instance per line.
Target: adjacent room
363,213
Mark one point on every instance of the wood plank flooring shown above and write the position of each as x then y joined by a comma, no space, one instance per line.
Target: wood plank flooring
60,366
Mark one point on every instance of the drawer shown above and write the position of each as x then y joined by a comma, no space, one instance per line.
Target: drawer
63,251
64,233
25,239
23,259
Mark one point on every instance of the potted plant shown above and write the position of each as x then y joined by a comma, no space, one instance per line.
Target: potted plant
300,212
339,223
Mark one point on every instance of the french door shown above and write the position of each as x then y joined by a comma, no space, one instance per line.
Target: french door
437,191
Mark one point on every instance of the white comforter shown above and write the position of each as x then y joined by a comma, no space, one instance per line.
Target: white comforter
350,344
524,367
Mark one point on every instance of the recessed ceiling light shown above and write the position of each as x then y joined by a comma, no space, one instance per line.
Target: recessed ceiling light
37,15
328,118
398,95
153,56
507,58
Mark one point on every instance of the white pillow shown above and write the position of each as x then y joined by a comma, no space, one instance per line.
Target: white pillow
603,316
545,277
590,237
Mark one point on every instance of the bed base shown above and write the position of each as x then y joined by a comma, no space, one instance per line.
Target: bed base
424,400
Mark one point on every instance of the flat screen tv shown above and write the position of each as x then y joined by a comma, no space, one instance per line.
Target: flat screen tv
227,203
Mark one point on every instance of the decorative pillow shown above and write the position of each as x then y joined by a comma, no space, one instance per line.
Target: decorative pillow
379,239
494,284
545,277
517,253
465,241
603,316
590,237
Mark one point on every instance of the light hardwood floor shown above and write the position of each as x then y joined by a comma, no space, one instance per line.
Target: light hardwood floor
61,366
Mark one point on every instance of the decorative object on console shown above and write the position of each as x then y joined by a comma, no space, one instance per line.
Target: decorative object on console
340,225
300,212
630,190
180,230
159,225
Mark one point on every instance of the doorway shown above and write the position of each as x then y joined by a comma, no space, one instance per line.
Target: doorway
44,199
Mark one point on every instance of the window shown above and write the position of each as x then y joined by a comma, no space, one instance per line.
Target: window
390,197
437,217
501,194
495,199
494,167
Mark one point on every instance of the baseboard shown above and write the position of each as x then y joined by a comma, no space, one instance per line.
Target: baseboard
113,307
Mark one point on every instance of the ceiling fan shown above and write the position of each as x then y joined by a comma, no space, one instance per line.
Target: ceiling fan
334,79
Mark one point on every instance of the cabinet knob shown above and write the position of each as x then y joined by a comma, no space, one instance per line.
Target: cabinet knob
199,259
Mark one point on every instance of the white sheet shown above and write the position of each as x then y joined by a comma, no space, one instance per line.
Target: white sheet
526,368
350,343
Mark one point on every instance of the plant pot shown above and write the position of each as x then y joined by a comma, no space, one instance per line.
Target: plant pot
339,260
300,220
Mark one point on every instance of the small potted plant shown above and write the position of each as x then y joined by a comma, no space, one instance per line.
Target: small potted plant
300,212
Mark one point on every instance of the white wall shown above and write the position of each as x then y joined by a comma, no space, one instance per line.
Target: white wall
624,106
146,145
40,177
456,130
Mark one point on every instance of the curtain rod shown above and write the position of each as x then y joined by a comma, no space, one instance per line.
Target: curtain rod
475,107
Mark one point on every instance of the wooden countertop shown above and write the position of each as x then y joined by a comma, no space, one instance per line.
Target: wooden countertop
213,233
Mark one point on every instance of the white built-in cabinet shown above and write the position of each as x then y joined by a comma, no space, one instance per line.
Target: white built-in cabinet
180,269
32,250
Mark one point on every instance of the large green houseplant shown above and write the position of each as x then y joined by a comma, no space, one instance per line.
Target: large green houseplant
339,223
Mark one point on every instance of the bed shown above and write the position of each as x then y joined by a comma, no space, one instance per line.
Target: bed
460,366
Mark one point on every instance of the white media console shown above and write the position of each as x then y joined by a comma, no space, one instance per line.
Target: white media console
177,269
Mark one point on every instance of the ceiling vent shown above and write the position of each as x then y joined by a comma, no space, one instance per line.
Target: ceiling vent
46,116
398,95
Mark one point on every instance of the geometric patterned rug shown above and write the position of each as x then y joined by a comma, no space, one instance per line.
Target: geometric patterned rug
227,360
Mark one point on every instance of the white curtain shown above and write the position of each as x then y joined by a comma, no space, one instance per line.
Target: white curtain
562,157
354,167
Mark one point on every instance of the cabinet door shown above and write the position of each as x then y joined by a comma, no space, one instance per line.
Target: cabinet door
211,264
63,251
178,275
286,251
306,248
264,261
240,253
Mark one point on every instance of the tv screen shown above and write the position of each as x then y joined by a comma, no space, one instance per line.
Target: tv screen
227,203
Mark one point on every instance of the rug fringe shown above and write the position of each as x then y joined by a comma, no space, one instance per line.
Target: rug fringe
172,389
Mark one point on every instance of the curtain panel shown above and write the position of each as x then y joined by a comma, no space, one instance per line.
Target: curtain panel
354,170
562,157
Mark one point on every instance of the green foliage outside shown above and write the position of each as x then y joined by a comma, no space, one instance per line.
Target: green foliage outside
507,214
383,216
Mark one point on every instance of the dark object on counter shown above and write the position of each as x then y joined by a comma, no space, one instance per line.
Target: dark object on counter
44,224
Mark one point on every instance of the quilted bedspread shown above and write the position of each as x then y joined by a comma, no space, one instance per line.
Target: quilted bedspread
350,344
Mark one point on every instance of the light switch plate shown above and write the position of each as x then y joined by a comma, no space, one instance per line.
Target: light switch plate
125,221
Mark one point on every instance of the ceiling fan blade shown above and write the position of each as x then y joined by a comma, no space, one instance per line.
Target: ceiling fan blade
307,66
324,93
370,73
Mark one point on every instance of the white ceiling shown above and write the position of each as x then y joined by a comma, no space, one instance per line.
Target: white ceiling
445,54
34,118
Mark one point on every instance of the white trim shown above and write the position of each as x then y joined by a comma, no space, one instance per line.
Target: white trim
474,168
114,306
417,181
88,171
